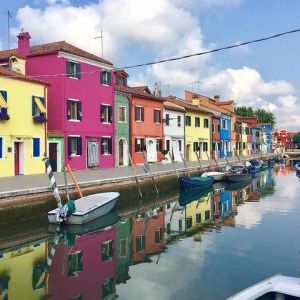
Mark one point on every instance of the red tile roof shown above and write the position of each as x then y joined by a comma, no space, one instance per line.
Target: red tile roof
52,48
14,75
137,91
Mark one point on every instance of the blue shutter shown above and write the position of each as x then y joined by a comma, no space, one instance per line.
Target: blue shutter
1,146
33,106
4,95
36,147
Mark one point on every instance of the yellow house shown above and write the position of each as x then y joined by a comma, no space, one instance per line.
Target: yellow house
23,272
244,142
197,132
23,128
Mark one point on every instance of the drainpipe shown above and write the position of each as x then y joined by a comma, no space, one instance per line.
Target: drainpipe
45,124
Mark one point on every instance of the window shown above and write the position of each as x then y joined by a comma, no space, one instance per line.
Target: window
189,222
74,145
3,105
167,119
36,147
139,145
207,215
38,107
1,147
107,250
139,114
213,127
106,145
105,77
235,127
244,145
224,124
122,114
106,113
180,145
159,144
198,218
140,242
158,235
107,287
188,121
74,110
247,130
205,146
123,247
196,146
179,121
168,228
206,123
74,263
180,225
121,81
219,128
73,69
197,122
168,145
237,145
157,116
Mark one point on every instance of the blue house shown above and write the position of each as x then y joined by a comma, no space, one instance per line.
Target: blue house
226,204
266,137
225,135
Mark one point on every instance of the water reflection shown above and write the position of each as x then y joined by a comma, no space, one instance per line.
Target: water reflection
91,261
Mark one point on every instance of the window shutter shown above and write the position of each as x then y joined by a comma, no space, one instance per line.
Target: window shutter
68,109
138,243
142,114
136,113
68,68
101,77
36,147
108,78
1,146
79,146
135,145
78,71
154,116
4,95
79,112
143,144
159,115
109,145
109,114
111,249
69,146
102,149
33,106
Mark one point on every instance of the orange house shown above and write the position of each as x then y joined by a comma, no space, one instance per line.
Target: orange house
146,124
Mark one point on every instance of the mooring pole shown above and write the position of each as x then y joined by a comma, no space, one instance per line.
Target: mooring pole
185,165
136,179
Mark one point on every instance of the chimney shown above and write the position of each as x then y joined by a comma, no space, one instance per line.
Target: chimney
195,99
217,98
23,43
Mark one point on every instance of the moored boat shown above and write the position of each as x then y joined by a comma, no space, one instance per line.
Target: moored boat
255,165
216,175
86,209
237,185
276,287
264,165
186,197
195,182
238,177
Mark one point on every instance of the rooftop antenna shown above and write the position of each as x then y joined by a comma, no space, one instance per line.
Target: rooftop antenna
198,85
101,38
8,28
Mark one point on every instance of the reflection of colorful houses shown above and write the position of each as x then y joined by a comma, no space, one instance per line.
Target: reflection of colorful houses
265,137
123,249
23,273
226,204
85,267
254,190
282,138
147,235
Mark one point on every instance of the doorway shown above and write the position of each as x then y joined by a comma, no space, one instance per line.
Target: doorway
54,156
19,158
123,152
93,154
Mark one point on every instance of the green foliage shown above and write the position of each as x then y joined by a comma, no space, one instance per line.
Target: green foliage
296,137
263,115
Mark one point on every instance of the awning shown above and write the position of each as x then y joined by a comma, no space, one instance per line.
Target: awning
3,103
40,104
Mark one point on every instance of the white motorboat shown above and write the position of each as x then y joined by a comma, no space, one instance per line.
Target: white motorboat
87,208
215,175
277,287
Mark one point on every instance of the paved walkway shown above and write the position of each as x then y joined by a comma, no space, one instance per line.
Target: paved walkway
29,184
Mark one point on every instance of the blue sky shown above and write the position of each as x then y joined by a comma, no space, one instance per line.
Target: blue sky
135,31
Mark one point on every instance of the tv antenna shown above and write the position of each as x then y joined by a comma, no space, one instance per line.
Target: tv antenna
101,38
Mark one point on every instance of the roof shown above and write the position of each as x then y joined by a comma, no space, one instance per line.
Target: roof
187,105
51,48
173,106
15,75
138,91
55,133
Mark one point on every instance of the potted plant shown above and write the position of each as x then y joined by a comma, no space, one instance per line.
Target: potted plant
4,116
41,118
164,159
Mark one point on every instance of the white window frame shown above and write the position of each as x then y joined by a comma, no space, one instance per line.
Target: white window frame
74,100
125,119
106,105
72,75
140,114
73,135
107,137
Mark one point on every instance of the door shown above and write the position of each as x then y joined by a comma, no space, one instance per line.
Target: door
151,150
93,154
188,152
121,152
17,158
53,150
176,152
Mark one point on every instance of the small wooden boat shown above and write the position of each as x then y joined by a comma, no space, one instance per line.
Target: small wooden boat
87,208
237,185
186,197
238,177
216,175
276,287
255,165
195,182
238,167
264,165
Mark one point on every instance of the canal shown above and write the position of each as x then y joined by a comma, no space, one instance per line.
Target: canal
190,246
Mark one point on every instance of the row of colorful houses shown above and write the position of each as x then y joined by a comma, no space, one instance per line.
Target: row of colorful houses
74,107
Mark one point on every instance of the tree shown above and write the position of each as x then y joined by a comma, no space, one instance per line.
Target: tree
296,138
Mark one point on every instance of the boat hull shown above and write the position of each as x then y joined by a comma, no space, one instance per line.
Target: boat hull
238,177
186,197
297,166
81,215
218,176
195,182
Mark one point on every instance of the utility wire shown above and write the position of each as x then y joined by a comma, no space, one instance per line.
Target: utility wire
176,58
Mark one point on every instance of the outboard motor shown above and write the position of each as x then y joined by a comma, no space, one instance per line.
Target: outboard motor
65,212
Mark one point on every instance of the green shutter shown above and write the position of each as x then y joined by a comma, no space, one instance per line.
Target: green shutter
101,77
111,249
109,78
78,71
68,68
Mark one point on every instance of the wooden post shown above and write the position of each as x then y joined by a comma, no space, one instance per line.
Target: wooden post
199,161
75,181
173,165
210,164
136,179
185,165
66,184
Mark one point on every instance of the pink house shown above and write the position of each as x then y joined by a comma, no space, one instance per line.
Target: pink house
80,100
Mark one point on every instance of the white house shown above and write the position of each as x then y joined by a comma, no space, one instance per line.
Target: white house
174,130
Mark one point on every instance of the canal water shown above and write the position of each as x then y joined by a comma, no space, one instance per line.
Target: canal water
191,246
